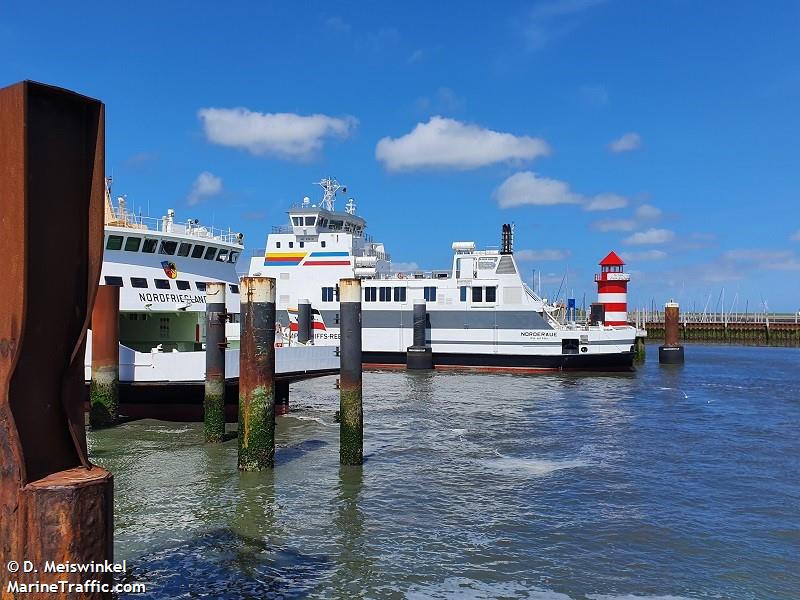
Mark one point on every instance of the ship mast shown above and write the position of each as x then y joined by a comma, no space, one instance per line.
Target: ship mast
329,187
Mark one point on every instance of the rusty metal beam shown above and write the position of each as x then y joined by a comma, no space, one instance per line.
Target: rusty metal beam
51,211
104,386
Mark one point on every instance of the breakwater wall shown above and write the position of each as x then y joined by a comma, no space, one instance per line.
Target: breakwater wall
747,333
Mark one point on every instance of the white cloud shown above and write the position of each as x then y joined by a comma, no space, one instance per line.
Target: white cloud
449,144
796,236
614,225
205,186
629,141
606,202
550,20
757,255
527,187
542,255
284,135
644,255
651,236
403,267
648,211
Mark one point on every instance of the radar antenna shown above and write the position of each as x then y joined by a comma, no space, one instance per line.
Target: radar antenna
329,187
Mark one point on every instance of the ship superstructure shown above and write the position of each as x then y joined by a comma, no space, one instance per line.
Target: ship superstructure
480,312
162,266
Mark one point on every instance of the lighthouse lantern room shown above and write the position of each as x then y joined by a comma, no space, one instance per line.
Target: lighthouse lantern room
612,289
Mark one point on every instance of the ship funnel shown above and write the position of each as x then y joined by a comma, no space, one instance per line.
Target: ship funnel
507,241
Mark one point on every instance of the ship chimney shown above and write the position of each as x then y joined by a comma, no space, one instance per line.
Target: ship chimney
507,240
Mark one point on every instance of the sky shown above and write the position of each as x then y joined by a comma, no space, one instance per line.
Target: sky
665,131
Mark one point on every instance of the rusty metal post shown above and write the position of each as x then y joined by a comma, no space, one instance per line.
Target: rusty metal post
214,401
671,353
257,374
54,505
305,321
281,397
351,416
104,386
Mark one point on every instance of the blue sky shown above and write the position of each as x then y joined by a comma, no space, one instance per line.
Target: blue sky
666,131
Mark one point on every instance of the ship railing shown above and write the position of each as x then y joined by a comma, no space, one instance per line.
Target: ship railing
281,229
190,227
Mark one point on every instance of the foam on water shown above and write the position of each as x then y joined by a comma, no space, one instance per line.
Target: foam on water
533,466
471,589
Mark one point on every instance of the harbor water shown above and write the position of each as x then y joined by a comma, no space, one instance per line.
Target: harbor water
668,483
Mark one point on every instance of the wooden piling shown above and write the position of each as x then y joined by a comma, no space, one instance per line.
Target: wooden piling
104,385
257,374
351,424
671,352
214,401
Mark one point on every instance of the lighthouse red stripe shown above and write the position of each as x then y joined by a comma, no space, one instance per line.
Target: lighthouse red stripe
611,287
615,307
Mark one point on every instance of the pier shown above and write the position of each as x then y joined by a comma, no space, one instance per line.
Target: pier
752,329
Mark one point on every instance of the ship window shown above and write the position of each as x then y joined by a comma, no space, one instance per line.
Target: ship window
277,244
168,247
297,220
385,294
477,294
210,252
149,246
132,244
182,285
322,244
463,293
139,282
302,244
183,249
162,284
369,294
234,288
491,294
222,256
113,280
399,294
430,294
233,256
327,294
291,244
198,250
200,285
311,220
114,242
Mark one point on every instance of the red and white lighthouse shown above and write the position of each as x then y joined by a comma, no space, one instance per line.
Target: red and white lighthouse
612,289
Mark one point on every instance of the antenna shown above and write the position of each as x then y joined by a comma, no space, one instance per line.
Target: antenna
329,187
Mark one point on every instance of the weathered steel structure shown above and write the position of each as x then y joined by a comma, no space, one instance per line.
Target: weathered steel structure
104,385
54,505
351,414
214,400
257,374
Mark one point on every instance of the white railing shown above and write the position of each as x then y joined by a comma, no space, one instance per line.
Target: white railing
167,225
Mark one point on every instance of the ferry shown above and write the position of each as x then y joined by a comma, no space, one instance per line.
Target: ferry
480,312
162,266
